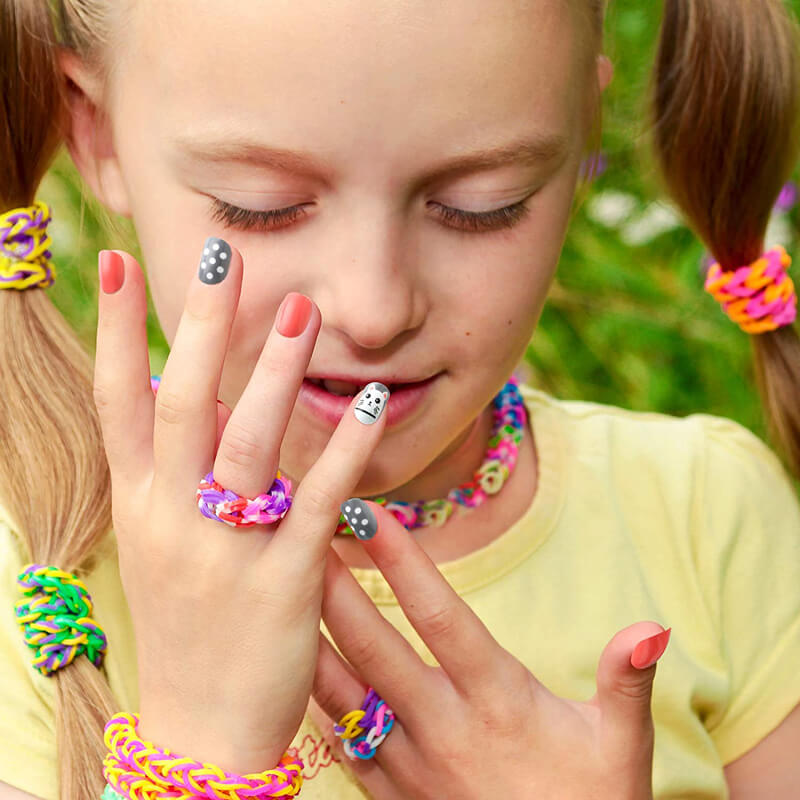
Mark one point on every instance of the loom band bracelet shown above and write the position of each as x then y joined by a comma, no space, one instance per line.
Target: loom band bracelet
152,771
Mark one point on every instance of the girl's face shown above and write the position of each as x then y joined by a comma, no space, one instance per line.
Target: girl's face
370,116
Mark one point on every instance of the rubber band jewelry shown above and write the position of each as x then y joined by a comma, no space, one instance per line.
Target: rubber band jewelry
758,297
217,502
510,417
363,729
56,618
24,248
140,770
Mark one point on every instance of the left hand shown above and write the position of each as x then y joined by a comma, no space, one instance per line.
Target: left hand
480,724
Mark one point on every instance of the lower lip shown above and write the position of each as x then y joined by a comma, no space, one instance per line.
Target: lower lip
331,407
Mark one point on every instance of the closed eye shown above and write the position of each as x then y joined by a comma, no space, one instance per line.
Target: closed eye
275,219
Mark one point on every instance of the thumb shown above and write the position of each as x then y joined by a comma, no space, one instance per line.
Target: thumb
625,677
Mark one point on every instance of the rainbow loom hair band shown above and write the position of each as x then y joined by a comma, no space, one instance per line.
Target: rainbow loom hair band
758,297
56,619
24,248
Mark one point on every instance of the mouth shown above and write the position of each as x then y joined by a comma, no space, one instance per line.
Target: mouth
349,388
327,399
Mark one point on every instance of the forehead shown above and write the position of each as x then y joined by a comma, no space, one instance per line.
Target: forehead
387,72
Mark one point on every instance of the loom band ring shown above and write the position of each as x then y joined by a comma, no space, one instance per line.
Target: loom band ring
348,727
225,505
364,747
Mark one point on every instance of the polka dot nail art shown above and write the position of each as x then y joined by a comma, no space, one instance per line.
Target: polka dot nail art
360,518
215,260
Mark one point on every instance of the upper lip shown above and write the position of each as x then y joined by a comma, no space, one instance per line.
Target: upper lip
387,380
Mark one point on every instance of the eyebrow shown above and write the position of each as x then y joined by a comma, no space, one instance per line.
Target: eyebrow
529,150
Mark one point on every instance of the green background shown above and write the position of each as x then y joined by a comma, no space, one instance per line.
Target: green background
627,321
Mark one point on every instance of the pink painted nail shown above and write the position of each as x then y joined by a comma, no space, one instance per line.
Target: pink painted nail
648,651
112,271
293,315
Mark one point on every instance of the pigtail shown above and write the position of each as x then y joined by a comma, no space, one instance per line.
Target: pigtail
726,124
54,477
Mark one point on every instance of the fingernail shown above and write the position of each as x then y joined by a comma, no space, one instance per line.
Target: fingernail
293,315
215,261
112,271
360,518
648,651
371,403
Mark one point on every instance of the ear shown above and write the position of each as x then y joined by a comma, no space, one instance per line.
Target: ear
89,135
605,71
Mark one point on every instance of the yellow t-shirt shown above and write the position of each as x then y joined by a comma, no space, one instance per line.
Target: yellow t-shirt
691,522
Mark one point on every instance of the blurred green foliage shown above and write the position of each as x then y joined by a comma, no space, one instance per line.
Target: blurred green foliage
626,324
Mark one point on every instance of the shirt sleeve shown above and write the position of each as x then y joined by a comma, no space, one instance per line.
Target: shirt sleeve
748,549
28,757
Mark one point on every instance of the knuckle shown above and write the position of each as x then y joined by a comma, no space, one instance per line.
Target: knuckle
200,313
438,622
240,445
274,367
102,399
169,408
317,499
361,650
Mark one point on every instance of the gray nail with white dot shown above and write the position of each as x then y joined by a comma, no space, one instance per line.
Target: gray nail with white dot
371,403
215,261
360,518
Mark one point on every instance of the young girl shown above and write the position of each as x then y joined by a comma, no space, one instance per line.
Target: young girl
351,198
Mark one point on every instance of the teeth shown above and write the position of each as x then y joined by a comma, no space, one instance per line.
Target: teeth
340,387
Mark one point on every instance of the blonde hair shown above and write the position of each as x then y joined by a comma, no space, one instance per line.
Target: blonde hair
726,147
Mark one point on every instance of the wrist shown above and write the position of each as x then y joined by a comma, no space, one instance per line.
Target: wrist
208,742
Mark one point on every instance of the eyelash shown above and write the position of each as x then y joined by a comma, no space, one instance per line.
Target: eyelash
468,221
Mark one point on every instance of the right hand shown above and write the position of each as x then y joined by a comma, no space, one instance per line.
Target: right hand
226,619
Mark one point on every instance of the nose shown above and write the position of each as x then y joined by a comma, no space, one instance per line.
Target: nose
371,290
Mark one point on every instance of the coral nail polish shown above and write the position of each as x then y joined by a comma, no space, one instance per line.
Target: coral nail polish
111,269
293,315
648,651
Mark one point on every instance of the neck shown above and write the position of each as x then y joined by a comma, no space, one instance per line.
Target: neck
462,533
454,466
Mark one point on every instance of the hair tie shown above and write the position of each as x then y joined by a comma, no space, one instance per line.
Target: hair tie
758,297
57,618
24,242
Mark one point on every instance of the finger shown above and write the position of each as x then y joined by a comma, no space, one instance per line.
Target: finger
371,772
624,692
455,635
337,690
186,403
122,392
378,652
303,538
247,460
337,687
223,415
